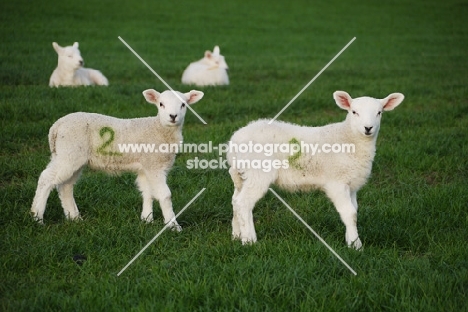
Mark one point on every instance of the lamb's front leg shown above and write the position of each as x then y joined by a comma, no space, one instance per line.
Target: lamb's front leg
168,212
343,199
162,193
145,189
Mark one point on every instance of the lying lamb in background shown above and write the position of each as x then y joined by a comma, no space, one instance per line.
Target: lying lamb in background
339,175
70,70
210,70
81,139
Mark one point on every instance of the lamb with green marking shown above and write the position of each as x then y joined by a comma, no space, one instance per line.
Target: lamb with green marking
81,139
336,158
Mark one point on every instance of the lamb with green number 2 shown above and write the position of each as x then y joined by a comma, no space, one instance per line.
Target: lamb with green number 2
81,139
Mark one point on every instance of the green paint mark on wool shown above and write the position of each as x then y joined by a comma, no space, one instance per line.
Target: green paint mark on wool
102,149
293,159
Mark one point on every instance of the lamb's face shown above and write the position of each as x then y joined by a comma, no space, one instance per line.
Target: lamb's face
365,113
215,59
70,56
172,105
172,108
221,62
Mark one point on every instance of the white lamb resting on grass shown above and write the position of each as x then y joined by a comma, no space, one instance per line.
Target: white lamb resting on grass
81,139
339,175
209,71
70,70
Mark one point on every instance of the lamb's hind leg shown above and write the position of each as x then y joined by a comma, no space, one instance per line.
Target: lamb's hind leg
344,201
65,191
253,188
53,175
237,180
354,200
44,186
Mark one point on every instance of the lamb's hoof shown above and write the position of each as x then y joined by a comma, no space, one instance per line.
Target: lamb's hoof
248,241
356,244
147,219
77,218
37,219
176,228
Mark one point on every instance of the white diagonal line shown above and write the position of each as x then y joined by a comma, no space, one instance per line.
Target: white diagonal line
160,232
310,82
313,232
162,80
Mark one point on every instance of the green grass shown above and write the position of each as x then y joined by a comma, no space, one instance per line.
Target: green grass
412,216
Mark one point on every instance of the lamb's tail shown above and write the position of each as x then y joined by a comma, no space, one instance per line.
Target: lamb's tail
236,178
53,132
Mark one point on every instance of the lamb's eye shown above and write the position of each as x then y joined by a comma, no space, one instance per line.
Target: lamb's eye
354,113
161,105
183,105
379,113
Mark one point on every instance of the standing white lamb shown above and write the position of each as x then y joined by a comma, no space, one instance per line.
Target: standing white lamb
70,70
339,175
81,139
210,70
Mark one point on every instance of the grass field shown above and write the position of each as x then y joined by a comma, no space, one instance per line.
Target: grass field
412,218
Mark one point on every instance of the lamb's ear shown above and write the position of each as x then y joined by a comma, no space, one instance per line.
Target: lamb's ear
216,50
75,45
392,101
56,47
151,96
208,54
342,99
193,96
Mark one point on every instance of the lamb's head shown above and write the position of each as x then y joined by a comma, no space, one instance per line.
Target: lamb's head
69,57
215,59
172,105
364,113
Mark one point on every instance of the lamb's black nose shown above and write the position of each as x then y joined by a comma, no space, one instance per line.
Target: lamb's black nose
368,129
173,117
81,63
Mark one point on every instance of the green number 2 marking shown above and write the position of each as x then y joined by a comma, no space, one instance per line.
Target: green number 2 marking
102,149
293,159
